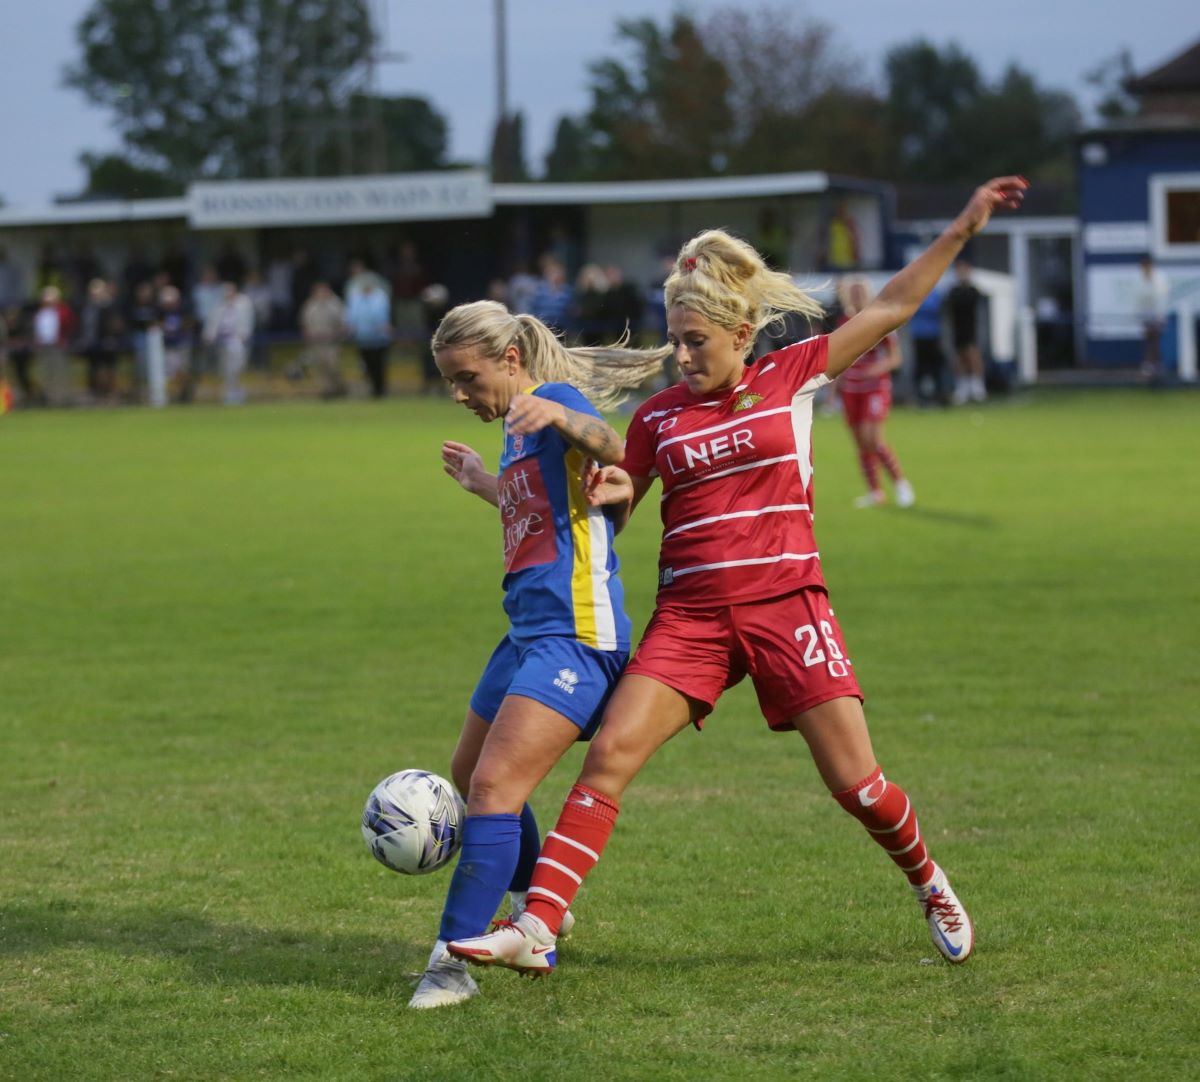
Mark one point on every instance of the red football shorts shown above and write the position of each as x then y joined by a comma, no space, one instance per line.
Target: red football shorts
791,648
870,406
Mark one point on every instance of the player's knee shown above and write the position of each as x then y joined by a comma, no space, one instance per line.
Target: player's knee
492,790
612,762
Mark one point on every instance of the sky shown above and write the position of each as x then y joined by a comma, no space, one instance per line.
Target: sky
447,55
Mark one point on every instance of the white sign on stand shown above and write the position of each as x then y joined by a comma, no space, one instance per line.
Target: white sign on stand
464,193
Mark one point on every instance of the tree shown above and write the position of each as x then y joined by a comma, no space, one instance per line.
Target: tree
757,92
664,114
236,88
929,93
1109,78
508,149
567,159
798,101
952,126
111,176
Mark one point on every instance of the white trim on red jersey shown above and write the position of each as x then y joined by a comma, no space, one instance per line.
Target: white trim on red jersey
747,536
736,514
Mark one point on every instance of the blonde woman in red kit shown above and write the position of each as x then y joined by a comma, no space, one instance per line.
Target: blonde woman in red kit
741,590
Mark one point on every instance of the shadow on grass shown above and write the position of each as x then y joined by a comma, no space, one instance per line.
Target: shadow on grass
949,518
360,964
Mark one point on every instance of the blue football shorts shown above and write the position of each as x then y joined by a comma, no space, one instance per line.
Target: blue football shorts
558,672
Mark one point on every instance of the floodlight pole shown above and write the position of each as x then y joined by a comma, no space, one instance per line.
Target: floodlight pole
501,64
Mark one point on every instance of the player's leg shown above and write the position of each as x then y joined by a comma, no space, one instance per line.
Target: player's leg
868,459
962,374
805,681
522,743
526,739
881,407
680,650
642,716
977,389
836,734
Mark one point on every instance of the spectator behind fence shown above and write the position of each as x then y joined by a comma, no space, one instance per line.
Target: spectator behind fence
368,318
925,329
435,300
963,301
141,314
323,325
10,282
178,332
206,295
360,276
623,305
53,325
522,285
408,279
587,308
101,332
552,299
1150,302
229,329
18,325
259,294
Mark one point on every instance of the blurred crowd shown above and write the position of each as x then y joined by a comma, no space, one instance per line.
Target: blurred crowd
85,336
160,319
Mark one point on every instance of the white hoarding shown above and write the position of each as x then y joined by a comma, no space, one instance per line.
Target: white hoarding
337,200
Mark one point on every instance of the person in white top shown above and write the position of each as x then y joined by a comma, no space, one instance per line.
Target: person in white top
229,328
1150,301
53,324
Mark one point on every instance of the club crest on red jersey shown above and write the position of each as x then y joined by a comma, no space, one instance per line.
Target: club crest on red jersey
745,400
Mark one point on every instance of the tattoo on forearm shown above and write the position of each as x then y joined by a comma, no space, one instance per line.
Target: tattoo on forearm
590,434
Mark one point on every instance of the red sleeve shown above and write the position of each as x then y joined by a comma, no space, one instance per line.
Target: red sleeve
801,360
639,447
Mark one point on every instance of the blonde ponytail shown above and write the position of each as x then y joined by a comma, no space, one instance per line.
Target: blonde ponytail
727,282
600,372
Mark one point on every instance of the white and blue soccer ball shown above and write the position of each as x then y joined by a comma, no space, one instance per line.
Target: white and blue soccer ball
413,822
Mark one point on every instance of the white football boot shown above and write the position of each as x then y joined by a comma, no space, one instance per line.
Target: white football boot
519,899
874,498
905,497
949,926
445,983
525,945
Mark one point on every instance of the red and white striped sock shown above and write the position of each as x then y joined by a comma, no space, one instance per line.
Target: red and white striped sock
869,463
569,852
885,810
890,463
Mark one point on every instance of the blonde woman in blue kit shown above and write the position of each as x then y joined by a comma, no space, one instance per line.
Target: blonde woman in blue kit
546,683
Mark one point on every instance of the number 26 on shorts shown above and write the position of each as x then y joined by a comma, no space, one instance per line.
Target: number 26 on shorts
831,656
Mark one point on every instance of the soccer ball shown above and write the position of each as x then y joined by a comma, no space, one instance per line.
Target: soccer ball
413,822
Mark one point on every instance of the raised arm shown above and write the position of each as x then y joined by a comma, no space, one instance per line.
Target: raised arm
902,296
594,437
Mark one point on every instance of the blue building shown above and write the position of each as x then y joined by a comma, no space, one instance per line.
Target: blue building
1139,197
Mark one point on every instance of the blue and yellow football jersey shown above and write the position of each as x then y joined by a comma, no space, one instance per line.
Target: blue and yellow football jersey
560,569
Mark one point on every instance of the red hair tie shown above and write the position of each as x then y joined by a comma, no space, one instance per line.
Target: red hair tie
689,263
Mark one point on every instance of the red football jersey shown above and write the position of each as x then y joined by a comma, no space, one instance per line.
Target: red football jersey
736,470
855,379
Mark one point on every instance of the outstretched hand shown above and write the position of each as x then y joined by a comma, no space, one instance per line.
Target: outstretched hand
999,192
462,463
603,485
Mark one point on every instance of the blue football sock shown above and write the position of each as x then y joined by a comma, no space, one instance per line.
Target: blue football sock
531,848
491,845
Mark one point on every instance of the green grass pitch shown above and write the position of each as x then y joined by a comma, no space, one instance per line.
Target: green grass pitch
219,628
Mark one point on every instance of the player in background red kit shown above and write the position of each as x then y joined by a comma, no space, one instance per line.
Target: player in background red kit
866,391
741,590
